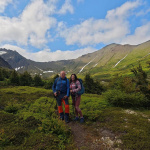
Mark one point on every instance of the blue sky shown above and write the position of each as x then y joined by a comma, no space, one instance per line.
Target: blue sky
50,30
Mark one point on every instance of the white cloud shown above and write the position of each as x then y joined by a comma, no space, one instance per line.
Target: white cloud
3,4
111,29
33,25
46,54
66,7
140,35
30,27
143,12
79,1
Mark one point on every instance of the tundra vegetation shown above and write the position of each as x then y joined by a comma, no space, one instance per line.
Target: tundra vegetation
29,120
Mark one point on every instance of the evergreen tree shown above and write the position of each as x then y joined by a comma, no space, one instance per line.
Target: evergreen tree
1,75
14,78
141,81
140,75
88,84
25,79
38,81
92,86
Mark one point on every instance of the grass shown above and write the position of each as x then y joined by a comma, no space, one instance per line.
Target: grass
28,121
132,128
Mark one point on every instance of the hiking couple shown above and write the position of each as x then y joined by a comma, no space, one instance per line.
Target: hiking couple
62,90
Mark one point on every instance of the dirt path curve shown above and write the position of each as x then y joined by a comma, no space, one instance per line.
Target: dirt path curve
88,138
85,137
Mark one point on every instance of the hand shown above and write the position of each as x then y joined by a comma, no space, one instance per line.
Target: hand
71,91
55,94
65,97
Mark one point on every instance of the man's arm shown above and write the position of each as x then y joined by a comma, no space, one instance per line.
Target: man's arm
68,87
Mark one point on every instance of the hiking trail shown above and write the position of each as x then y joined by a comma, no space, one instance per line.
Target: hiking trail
88,137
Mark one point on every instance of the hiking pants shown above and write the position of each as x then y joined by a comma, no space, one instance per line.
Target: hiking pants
76,103
60,100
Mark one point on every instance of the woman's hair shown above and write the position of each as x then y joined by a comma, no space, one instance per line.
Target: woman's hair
74,76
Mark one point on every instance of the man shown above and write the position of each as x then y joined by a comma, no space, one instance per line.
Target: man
61,92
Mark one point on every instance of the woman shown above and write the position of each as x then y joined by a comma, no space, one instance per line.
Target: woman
75,86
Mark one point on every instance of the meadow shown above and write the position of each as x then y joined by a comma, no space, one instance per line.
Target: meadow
29,120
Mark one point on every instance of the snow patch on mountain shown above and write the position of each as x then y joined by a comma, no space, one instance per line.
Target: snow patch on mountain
144,56
95,65
86,65
120,61
39,68
48,71
2,52
19,68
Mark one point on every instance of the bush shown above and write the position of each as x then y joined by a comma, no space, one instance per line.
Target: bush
37,80
92,86
48,84
14,78
11,109
25,79
122,99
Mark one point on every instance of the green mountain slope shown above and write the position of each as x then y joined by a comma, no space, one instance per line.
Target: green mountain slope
114,59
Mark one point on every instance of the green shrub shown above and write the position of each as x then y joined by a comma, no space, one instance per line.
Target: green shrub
92,86
12,108
120,98
48,84
38,80
92,106
14,78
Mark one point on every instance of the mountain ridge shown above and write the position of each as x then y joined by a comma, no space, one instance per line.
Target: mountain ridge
111,58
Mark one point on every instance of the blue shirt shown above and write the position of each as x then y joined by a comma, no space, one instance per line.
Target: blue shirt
61,85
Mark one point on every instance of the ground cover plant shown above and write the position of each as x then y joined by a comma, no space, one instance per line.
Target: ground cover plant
28,120
117,113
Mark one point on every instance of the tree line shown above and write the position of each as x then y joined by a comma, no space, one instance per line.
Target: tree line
9,77
121,91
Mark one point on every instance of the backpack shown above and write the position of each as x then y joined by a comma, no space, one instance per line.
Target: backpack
82,88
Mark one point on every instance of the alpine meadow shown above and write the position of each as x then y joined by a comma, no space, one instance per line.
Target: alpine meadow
115,105
74,75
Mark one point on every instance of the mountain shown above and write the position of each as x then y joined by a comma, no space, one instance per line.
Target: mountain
102,64
115,59
21,64
4,64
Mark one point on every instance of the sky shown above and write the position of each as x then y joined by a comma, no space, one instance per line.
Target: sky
51,30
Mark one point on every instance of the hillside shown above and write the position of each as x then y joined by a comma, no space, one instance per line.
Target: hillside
114,59
4,64
103,64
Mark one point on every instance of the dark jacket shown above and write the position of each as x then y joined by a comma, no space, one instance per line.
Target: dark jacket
61,85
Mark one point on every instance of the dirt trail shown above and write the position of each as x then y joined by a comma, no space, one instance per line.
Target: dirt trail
88,138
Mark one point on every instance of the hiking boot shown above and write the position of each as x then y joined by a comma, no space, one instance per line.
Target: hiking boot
67,117
61,116
82,120
76,119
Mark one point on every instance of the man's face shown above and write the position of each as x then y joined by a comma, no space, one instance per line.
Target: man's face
62,74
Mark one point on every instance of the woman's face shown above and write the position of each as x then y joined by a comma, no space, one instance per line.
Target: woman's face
72,77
